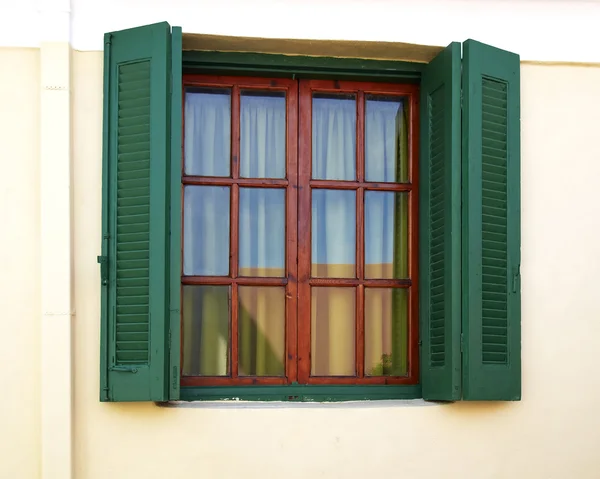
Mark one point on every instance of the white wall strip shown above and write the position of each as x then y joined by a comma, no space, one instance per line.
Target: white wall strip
542,30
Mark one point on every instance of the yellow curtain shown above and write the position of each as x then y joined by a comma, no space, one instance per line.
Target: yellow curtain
400,298
206,330
261,323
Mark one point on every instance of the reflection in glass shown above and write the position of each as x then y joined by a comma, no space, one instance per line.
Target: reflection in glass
334,136
386,330
386,139
262,134
332,331
206,231
333,233
207,139
205,330
261,339
386,234
262,232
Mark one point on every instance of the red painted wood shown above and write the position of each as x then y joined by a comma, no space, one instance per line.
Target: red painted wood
298,184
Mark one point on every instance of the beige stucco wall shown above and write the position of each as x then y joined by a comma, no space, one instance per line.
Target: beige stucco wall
19,263
553,432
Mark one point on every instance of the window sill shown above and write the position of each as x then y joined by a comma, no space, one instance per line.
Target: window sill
300,393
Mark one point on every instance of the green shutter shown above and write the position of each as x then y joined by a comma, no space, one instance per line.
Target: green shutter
175,213
439,250
491,224
135,320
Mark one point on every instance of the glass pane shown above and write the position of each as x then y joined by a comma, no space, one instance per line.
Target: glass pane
207,139
261,339
332,331
386,234
206,231
262,232
386,139
205,330
386,330
262,134
334,136
333,234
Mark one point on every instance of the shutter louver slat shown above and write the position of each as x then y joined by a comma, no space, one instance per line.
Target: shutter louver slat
437,172
494,338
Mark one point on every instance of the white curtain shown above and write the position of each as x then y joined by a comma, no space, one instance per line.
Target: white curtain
333,138
334,237
262,241
384,129
207,139
261,233
262,136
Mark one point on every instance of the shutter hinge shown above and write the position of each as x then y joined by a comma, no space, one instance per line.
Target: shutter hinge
461,99
103,261
175,377
462,342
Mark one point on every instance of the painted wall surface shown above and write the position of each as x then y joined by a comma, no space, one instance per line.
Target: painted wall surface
51,422
19,263
553,432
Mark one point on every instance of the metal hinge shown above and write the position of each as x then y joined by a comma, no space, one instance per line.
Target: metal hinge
175,377
462,342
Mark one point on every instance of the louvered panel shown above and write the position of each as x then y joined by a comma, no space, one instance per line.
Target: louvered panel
437,329
133,214
494,223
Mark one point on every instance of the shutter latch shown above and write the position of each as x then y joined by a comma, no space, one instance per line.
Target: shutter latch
103,260
124,369
516,275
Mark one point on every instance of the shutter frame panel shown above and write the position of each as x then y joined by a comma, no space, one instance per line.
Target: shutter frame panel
175,214
491,224
440,245
134,322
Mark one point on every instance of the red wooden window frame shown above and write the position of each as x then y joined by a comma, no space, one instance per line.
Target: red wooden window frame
298,185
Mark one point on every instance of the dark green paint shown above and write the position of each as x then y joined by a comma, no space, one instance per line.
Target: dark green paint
173,373
157,377
439,239
299,393
295,66
136,154
103,260
491,224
